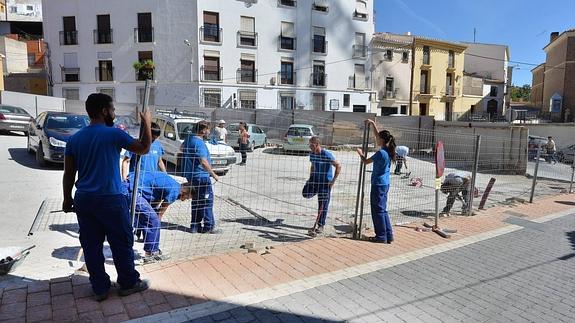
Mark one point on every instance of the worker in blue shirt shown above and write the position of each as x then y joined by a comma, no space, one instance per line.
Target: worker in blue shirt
197,170
150,162
321,180
101,208
380,183
160,190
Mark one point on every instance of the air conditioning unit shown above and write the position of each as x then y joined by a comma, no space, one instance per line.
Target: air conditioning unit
273,81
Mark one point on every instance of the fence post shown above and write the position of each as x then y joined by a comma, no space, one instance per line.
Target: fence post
366,148
535,175
359,196
572,175
473,176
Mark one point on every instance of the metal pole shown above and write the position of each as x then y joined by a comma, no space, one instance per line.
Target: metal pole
138,157
358,196
473,176
535,175
436,204
366,146
572,175
36,100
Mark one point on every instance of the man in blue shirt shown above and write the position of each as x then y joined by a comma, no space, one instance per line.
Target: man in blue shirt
197,170
150,162
321,180
101,208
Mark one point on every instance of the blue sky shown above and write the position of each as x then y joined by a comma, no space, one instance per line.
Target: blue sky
523,25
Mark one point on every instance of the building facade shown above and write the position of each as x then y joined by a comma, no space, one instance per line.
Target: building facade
537,82
282,54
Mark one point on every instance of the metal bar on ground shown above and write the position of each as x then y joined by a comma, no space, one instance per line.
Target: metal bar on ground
535,175
473,176
486,193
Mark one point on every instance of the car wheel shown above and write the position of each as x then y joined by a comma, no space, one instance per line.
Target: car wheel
252,146
40,157
28,147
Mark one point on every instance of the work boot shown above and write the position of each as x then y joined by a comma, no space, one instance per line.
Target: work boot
155,256
319,229
140,286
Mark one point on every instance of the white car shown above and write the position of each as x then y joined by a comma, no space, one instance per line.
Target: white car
175,127
297,137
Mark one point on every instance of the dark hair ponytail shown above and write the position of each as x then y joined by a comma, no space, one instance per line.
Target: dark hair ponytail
389,142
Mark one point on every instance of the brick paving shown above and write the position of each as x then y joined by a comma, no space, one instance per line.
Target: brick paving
181,284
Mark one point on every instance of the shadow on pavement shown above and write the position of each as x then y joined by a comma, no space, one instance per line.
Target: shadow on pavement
278,223
566,203
21,156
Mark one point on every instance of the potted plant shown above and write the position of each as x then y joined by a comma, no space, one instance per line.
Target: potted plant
144,69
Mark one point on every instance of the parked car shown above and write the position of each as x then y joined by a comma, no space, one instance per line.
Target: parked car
536,142
297,137
49,133
129,124
566,155
14,119
174,130
257,136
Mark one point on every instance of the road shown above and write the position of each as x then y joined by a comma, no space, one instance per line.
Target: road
523,276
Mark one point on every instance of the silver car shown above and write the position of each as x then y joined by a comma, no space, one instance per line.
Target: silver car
297,137
14,119
566,155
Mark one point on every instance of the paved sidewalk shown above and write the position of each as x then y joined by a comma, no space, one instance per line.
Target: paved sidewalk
240,278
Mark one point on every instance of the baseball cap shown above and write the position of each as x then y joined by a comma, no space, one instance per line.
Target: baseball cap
222,121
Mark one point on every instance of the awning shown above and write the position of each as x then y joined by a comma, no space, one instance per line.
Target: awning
247,95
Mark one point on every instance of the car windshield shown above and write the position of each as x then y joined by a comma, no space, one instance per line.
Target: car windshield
185,129
125,120
66,122
233,127
299,131
11,109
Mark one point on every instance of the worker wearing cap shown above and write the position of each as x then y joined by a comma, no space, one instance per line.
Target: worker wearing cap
456,186
220,131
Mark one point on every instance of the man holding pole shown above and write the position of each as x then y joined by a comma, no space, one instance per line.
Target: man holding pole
102,210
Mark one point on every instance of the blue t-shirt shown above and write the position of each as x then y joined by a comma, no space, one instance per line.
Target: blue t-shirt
96,151
322,166
381,164
193,150
149,161
156,186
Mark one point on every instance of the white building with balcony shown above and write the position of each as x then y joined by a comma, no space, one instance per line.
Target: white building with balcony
274,54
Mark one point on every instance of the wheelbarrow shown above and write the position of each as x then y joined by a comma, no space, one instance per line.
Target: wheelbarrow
11,257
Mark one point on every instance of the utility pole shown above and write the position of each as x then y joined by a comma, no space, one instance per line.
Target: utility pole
474,33
410,112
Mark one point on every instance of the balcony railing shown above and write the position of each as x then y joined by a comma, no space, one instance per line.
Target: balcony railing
426,60
286,43
247,76
431,90
389,94
246,38
211,74
144,35
358,82
145,74
287,3
319,79
104,74
322,8
450,90
70,74
103,36
286,78
451,63
359,51
210,33
69,37
319,46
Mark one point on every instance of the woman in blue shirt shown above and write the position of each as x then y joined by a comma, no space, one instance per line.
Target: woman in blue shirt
380,183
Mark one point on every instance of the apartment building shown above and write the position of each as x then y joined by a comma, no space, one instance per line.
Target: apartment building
276,54
553,86
391,65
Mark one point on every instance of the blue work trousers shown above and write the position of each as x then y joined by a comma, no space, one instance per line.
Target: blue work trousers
381,222
148,222
323,192
202,205
103,217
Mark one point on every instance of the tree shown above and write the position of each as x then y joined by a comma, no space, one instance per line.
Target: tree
521,93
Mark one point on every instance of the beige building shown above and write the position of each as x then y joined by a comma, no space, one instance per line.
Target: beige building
437,79
554,81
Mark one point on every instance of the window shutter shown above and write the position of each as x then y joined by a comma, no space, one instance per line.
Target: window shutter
320,31
361,7
248,24
70,60
288,29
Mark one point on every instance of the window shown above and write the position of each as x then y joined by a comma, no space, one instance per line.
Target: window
359,48
389,91
105,71
211,71
151,98
358,78
13,9
71,94
319,43
403,109
70,71
287,3
493,91
287,101
247,99
286,73
318,101
70,35
318,76
423,82
31,59
30,8
388,55
449,84
146,70
320,5
346,100
247,71
405,57
287,36
145,32
360,10
426,55
210,31
109,91
448,112
103,34
170,131
451,60
212,98
359,108
247,35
